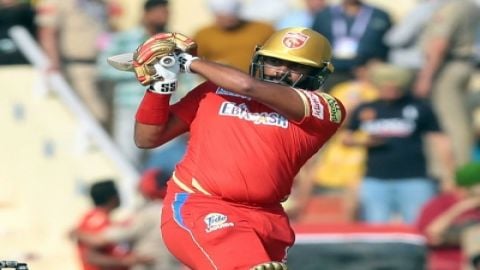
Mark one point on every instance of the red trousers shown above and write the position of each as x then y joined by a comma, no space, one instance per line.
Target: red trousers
205,232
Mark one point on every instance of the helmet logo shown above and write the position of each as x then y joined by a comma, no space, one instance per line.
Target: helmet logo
294,40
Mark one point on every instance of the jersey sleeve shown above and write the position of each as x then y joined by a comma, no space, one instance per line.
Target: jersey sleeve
186,108
321,110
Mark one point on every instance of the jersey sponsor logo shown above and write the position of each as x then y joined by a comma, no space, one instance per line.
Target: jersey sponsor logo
333,108
216,221
294,40
241,111
221,91
317,107
390,127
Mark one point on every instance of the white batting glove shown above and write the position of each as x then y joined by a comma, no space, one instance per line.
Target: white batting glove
165,77
185,60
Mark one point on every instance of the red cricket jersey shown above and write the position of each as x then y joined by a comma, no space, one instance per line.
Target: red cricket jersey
95,221
243,151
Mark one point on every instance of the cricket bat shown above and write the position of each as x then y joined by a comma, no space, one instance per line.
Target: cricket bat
123,62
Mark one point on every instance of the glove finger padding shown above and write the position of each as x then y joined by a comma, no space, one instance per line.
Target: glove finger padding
147,55
182,42
185,44
156,47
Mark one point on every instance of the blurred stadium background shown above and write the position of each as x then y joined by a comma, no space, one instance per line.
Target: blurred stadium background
48,157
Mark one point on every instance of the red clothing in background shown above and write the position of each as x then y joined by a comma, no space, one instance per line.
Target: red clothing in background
95,221
444,257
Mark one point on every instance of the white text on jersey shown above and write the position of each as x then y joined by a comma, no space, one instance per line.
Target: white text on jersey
263,118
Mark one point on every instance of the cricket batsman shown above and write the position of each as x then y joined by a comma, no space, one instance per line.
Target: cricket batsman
249,136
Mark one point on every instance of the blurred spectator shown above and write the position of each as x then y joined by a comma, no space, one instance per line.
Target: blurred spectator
143,230
337,168
127,92
14,12
230,40
70,32
267,11
446,217
396,179
105,197
404,37
301,17
356,31
449,48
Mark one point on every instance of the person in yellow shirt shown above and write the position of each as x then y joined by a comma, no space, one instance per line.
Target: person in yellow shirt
230,39
336,167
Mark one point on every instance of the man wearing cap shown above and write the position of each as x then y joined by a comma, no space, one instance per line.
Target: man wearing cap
448,218
396,181
230,40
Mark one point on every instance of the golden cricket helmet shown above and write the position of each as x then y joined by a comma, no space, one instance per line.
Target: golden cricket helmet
298,45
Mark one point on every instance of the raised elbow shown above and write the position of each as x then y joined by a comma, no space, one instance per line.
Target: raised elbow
143,143
147,136
246,86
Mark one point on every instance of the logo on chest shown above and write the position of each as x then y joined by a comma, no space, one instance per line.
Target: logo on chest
223,92
241,111
216,221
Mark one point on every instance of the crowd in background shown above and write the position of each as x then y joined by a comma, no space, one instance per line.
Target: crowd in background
410,149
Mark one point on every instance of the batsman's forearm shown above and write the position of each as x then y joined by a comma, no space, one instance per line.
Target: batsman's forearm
283,99
151,136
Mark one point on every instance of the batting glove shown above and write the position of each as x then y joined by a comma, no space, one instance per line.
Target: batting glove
185,60
149,54
165,77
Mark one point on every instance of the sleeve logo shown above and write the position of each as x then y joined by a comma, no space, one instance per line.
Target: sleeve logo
317,107
333,107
